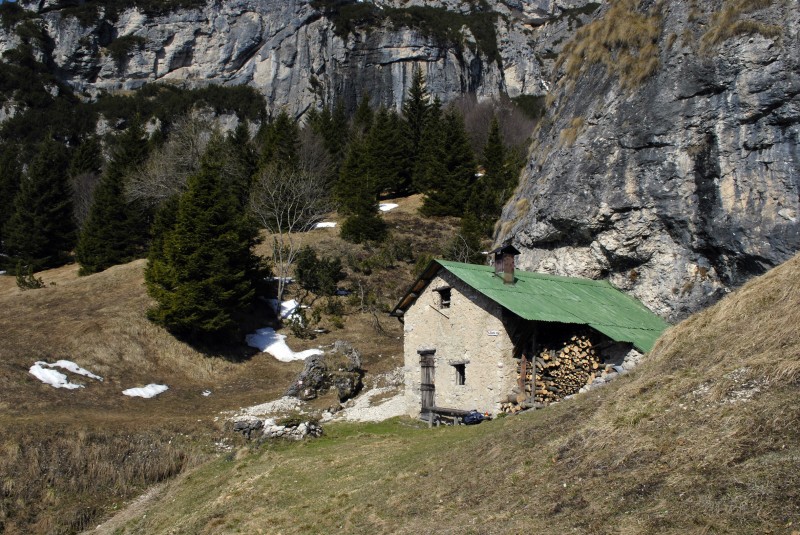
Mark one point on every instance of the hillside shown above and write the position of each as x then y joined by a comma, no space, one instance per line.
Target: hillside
703,437
72,456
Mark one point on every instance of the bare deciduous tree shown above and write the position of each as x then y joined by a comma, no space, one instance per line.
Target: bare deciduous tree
287,202
167,169
83,185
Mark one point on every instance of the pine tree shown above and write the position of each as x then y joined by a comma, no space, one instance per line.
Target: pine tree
243,161
415,110
363,118
448,183
331,125
116,231
41,232
10,175
492,189
427,163
357,194
280,141
205,273
389,155
88,157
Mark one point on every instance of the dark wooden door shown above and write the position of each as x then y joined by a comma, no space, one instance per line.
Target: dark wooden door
427,387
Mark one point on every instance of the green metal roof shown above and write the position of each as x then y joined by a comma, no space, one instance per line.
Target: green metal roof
542,297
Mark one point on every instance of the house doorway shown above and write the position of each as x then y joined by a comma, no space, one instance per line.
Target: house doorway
427,386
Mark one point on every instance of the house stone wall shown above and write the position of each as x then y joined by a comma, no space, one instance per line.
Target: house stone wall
469,331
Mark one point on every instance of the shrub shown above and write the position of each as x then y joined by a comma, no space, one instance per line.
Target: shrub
120,47
26,279
318,275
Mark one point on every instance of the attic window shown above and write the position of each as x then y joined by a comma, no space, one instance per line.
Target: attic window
461,374
444,297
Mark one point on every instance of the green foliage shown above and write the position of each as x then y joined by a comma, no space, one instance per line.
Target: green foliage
440,24
121,47
415,111
205,273
357,195
88,157
361,228
26,279
450,172
10,175
389,156
11,14
317,275
280,143
331,125
40,233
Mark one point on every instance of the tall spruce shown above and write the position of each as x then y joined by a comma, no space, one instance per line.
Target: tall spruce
389,153
357,195
362,119
415,110
115,231
10,175
41,231
492,189
205,273
280,142
427,163
331,124
449,181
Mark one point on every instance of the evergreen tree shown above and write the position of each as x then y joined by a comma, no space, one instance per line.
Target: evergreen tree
205,273
243,161
116,231
448,183
280,142
10,174
415,110
389,155
492,189
88,157
427,163
358,198
331,125
41,232
362,120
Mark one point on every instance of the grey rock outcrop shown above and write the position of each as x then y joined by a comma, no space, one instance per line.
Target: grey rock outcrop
680,188
291,52
338,369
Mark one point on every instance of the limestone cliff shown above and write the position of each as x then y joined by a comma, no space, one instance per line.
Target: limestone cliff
669,159
294,52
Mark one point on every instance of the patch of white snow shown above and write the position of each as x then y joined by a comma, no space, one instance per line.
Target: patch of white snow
45,373
325,224
148,391
386,206
267,340
205,393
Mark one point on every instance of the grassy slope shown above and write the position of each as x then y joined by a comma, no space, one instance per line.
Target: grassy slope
68,456
704,437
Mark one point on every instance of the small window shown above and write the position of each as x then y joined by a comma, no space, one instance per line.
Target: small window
444,298
461,374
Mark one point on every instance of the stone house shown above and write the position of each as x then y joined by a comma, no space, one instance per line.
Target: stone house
469,329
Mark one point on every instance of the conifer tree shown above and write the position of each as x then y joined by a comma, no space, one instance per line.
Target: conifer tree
116,231
280,141
332,126
206,272
243,161
492,189
415,110
41,232
448,183
362,120
427,163
10,174
358,198
389,154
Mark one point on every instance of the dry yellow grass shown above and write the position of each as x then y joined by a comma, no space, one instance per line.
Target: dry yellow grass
704,437
624,40
727,23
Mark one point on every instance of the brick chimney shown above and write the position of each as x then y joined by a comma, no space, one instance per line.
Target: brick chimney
504,262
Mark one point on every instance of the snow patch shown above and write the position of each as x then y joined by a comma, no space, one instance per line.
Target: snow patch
45,373
267,340
325,224
386,206
287,308
149,391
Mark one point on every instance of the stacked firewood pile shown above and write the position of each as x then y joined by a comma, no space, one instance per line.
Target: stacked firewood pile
559,374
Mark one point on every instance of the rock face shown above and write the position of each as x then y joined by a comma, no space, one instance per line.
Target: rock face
682,185
292,53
